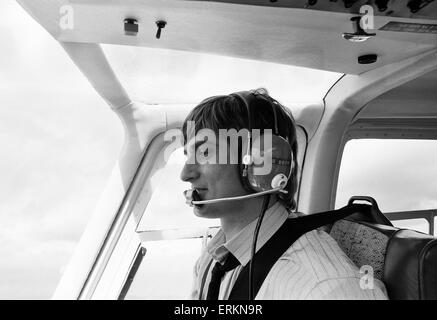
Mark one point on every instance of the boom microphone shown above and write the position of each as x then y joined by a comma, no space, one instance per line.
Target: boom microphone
193,198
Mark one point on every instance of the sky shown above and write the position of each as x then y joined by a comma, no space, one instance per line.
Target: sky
192,76
60,142
395,164
399,174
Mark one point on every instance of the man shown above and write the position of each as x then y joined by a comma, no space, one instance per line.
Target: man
313,267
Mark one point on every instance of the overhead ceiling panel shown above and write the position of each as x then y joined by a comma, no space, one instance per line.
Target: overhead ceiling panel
271,32
414,99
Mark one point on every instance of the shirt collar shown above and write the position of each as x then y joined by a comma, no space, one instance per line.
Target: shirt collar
241,244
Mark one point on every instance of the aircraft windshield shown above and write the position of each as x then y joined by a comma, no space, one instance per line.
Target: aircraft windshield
168,76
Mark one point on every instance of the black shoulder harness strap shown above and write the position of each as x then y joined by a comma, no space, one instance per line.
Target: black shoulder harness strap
275,247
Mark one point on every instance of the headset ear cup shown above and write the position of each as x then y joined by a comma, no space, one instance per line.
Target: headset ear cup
272,163
279,156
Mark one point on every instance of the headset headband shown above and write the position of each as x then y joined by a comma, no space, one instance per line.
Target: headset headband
246,98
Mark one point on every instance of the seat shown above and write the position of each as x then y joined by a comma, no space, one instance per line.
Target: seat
405,260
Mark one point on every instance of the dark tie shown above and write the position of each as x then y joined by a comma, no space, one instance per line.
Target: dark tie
217,274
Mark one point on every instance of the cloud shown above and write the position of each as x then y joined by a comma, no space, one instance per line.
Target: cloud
164,253
59,143
399,174
148,73
32,268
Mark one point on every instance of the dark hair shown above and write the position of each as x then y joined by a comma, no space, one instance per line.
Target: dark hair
229,112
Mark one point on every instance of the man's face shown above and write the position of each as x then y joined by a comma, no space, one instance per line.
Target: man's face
212,180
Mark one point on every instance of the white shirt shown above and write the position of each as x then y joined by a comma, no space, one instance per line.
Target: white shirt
314,267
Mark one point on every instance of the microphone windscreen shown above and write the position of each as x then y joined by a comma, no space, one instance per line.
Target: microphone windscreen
191,195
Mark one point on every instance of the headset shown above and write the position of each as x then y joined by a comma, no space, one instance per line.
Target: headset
282,165
280,154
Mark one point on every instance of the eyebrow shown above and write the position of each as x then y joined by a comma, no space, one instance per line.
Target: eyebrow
196,145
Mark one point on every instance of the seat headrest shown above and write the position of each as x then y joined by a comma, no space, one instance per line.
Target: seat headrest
405,260
364,243
410,270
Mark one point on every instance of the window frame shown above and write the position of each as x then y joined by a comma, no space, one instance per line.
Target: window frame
111,267
393,129
115,264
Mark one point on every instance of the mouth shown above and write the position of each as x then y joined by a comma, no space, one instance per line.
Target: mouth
195,194
199,194
200,190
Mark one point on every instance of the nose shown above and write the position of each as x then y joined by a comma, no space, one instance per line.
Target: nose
189,172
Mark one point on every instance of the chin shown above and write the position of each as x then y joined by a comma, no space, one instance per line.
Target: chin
205,211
